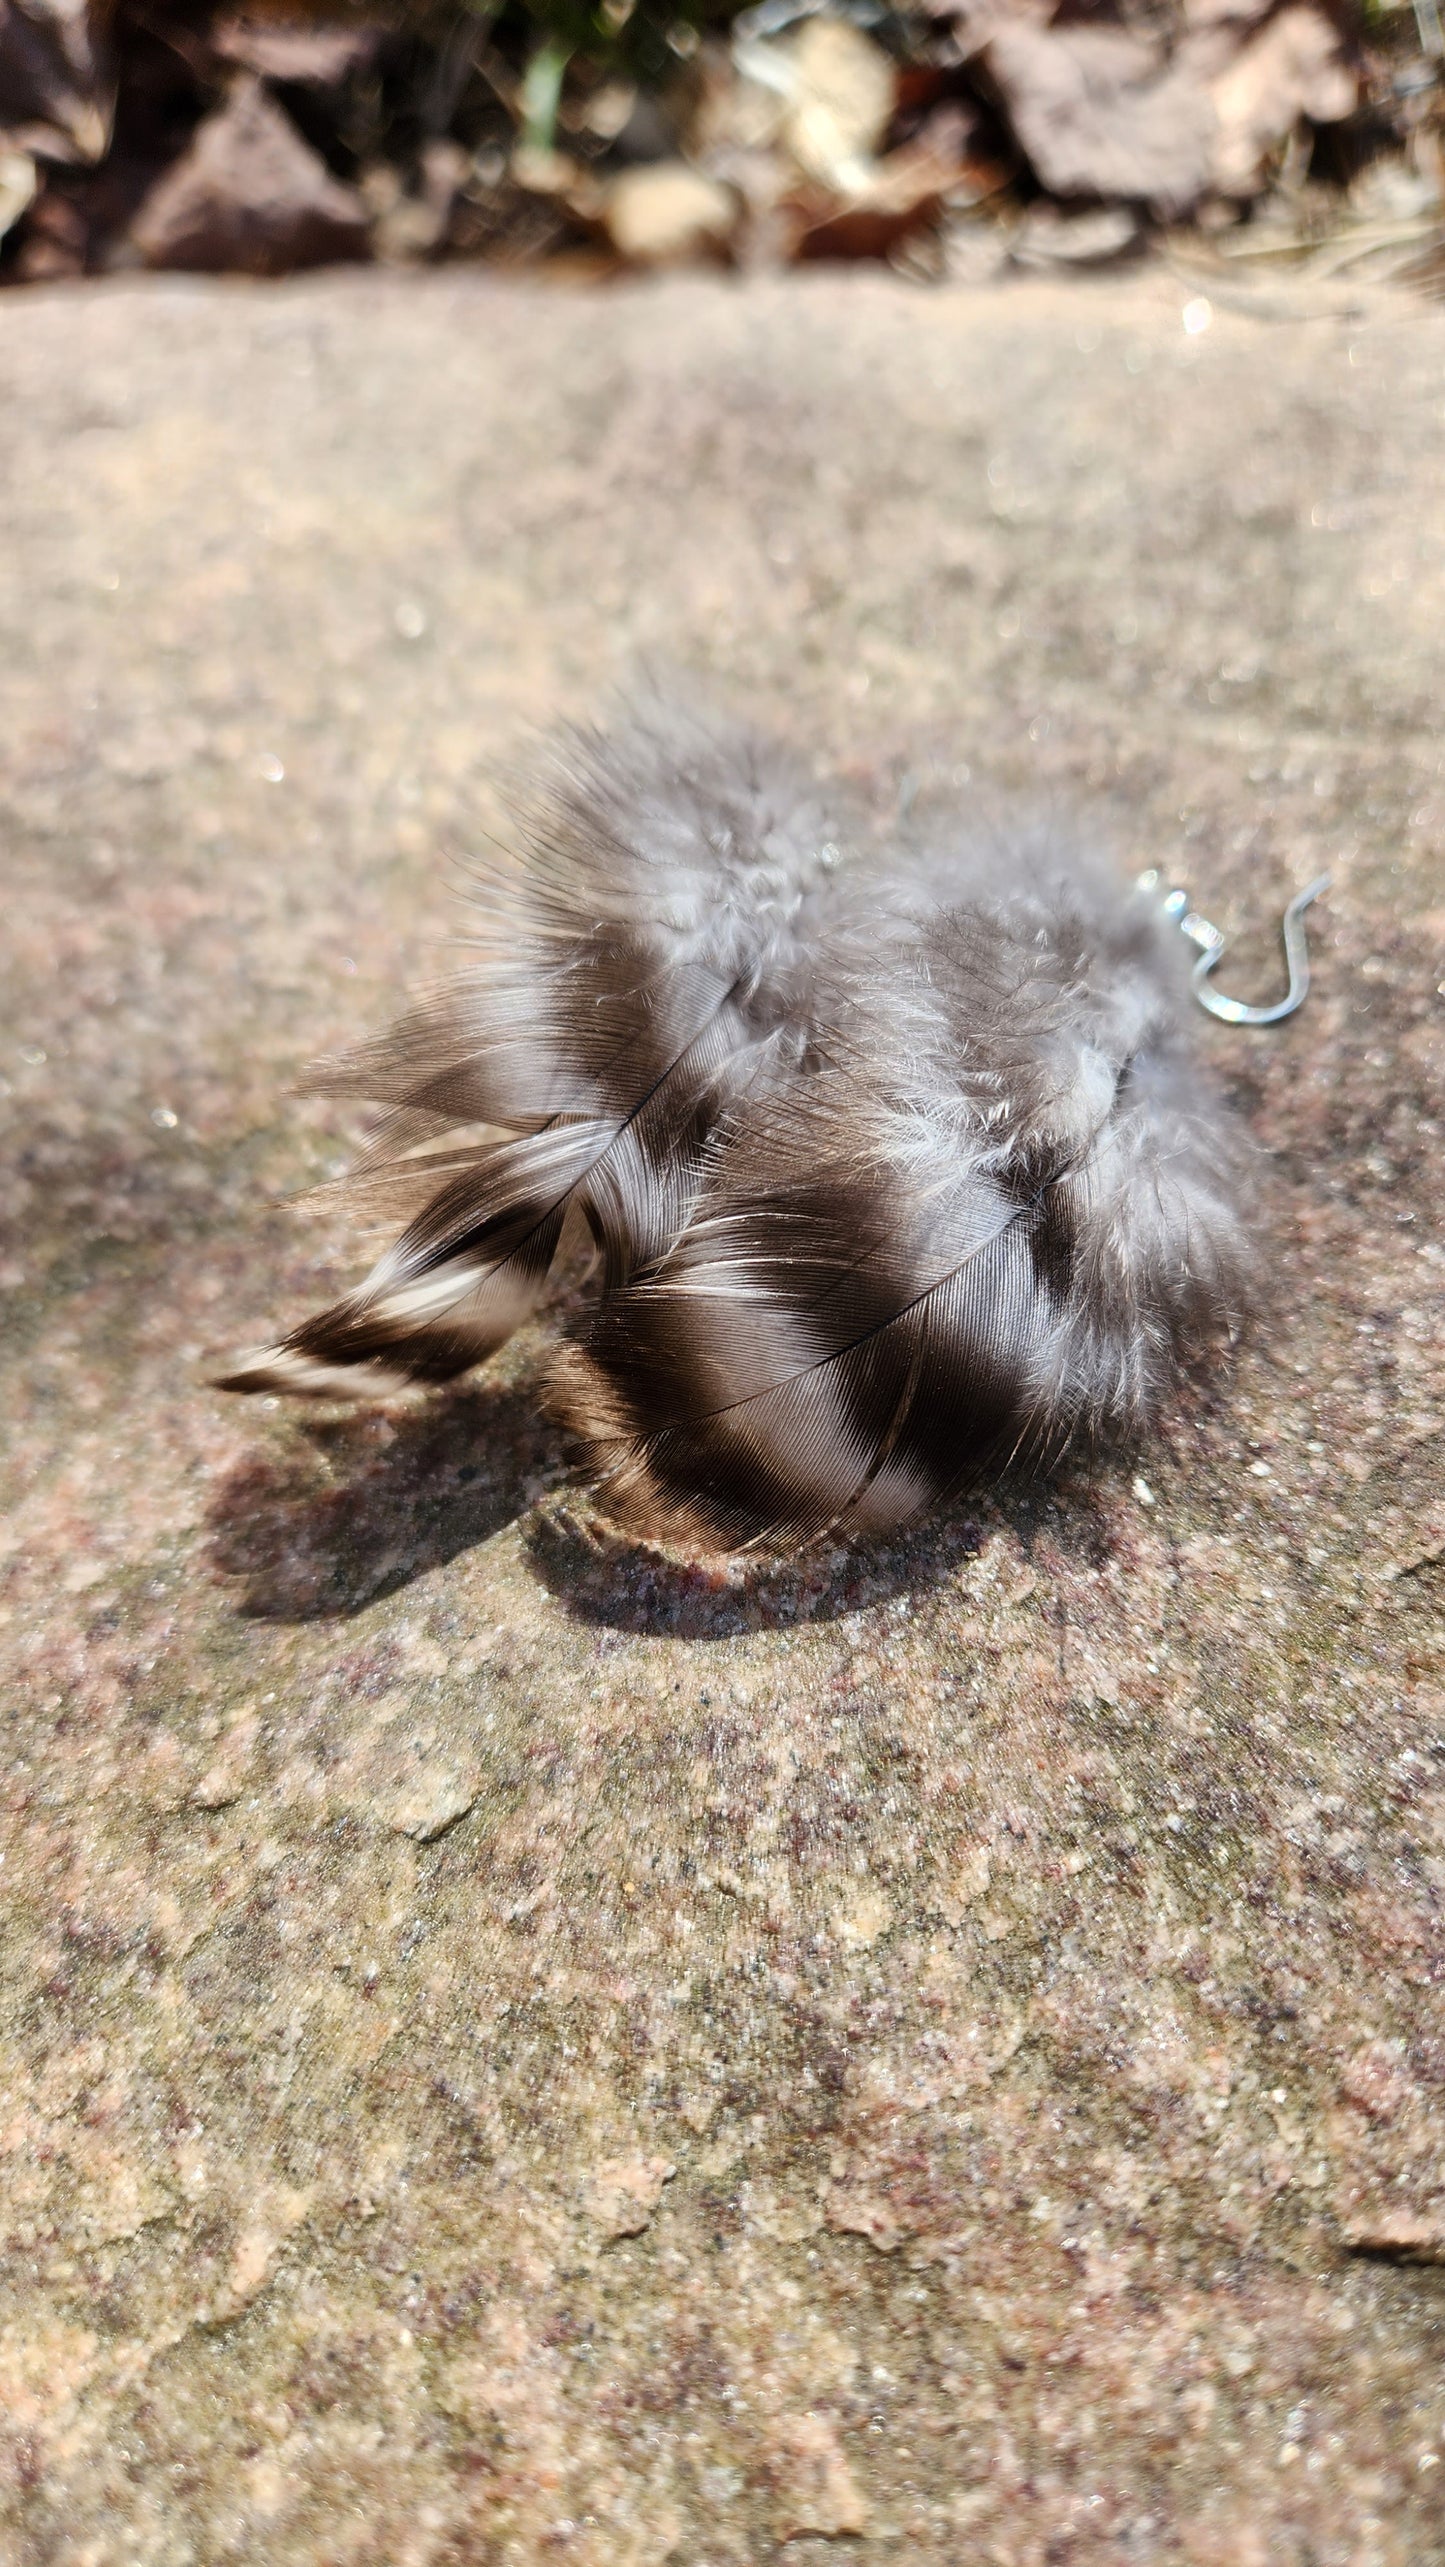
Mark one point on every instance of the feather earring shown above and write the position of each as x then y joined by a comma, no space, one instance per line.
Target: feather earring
900,1169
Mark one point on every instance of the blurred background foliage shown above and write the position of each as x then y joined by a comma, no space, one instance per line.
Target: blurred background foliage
946,135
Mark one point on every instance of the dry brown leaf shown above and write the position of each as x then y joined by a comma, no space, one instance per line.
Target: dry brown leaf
1296,66
249,194
57,87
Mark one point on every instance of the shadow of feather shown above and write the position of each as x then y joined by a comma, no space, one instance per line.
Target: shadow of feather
356,1507
359,1506
604,1575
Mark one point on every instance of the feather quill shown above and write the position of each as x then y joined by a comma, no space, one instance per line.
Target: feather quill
901,1169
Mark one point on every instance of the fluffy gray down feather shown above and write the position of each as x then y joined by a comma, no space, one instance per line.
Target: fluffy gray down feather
900,1165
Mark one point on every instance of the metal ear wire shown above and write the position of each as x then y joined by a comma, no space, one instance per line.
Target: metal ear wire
1212,943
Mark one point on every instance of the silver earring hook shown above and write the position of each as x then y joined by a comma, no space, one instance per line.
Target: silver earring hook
1212,943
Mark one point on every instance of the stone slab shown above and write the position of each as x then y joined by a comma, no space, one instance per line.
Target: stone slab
521,2049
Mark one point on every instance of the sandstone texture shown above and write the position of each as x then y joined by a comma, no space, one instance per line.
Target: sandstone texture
518,2048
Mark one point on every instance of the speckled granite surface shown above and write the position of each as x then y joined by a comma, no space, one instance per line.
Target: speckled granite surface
517,2050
